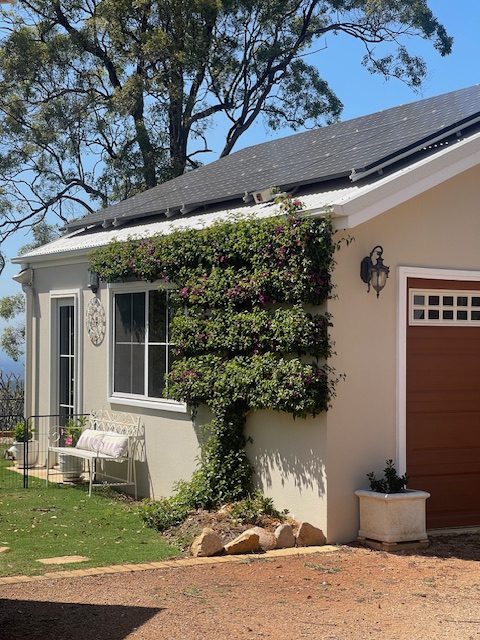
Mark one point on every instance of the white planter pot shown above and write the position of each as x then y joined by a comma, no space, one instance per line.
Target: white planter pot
70,466
32,453
392,517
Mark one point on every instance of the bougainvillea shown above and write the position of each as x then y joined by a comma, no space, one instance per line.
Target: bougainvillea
245,335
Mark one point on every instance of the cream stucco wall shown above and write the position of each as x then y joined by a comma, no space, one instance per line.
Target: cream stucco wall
289,455
439,229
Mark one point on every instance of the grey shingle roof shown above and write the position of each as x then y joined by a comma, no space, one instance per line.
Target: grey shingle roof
313,156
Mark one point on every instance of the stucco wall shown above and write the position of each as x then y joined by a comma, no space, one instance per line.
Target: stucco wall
439,229
289,455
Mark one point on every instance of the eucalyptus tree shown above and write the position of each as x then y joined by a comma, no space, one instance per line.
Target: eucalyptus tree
100,99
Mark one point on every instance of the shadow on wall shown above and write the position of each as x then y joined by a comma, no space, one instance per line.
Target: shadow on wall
287,452
39,620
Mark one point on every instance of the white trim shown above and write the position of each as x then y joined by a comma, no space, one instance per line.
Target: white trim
403,273
158,405
56,296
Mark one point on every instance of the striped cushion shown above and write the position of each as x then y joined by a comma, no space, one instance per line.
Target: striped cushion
114,444
90,440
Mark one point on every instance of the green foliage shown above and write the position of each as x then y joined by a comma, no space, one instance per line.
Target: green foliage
251,509
100,100
390,483
244,340
73,430
22,432
11,399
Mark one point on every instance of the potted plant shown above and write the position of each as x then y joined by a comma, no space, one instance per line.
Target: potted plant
70,466
24,445
390,514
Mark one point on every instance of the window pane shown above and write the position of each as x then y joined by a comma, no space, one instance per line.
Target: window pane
462,301
64,382
64,330
123,368
138,369
461,315
475,301
448,301
138,315
448,315
123,317
418,299
157,361
433,314
475,315
157,316
433,300
418,314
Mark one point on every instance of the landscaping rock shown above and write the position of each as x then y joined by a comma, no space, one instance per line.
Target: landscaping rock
4,549
284,536
266,539
309,536
207,544
246,542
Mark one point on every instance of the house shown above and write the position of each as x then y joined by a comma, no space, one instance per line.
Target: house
407,179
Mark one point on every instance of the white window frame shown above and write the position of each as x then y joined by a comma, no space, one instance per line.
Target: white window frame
130,399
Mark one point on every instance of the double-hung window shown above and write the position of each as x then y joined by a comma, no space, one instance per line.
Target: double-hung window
142,353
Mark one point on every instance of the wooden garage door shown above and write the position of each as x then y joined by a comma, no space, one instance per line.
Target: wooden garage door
443,398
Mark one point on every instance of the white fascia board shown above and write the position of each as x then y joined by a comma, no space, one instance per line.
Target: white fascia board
389,192
69,256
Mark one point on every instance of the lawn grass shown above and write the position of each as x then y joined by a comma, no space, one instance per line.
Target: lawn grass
60,520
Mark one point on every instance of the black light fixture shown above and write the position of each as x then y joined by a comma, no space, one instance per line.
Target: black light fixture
375,275
93,281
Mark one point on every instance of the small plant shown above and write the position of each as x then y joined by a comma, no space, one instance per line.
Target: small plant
22,432
251,509
164,513
73,430
390,483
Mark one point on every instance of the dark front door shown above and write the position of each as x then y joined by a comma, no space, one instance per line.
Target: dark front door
66,360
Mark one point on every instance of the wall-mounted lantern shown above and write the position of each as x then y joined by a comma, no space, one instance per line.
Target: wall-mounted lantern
93,281
375,275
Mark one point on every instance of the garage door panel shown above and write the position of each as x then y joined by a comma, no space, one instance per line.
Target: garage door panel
443,412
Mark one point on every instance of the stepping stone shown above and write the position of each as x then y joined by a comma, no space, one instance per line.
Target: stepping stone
63,560
3,549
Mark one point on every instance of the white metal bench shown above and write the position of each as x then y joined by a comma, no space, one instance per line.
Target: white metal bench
105,424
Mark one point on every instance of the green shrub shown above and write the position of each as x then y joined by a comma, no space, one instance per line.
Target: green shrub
251,509
390,483
163,514
22,432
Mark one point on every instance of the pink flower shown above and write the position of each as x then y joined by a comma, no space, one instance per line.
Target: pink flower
68,441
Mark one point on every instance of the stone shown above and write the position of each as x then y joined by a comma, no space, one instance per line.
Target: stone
63,560
246,542
284,536
309,536
266,539
4,549
207,544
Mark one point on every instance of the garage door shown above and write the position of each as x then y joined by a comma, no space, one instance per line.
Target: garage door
443,398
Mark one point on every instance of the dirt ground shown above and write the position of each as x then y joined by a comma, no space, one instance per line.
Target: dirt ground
349,593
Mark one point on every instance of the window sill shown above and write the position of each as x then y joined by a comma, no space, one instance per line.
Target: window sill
159,405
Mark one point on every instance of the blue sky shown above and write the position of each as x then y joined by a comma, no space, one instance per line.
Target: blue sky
361,93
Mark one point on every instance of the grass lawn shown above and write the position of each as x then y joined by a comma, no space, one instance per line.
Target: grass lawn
61,520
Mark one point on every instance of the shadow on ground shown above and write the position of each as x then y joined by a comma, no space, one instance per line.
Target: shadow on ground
34,619
464,546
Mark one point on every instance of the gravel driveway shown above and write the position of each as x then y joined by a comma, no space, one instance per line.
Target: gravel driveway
349,593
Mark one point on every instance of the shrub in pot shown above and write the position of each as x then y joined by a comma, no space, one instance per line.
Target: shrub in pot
389,512
23,434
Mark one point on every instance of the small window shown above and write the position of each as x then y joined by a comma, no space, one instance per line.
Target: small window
142,351
438,308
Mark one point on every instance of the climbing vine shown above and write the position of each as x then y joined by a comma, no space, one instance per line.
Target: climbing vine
245,333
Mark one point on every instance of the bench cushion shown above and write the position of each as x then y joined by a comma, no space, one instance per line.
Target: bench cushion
90,440
113,444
